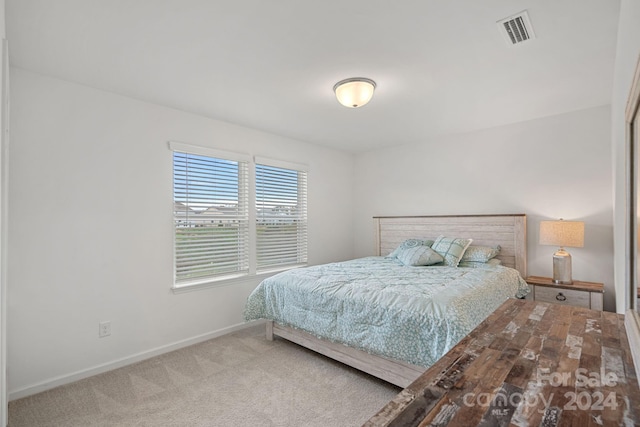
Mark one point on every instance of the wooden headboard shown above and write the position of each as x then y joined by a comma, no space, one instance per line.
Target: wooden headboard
508,231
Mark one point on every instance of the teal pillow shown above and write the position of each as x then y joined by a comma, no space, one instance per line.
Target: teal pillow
480,253
410,243
451,249
418,256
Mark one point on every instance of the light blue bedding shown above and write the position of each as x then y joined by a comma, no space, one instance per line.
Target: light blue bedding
376,304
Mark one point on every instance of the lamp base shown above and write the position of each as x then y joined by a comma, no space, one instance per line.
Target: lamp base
562,267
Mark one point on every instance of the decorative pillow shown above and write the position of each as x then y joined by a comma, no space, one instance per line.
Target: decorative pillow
480,253
451,249
410,243
419,255
475,264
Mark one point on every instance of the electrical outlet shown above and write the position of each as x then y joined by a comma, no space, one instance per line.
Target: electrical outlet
104,329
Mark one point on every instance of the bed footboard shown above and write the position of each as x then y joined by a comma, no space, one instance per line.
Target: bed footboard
393,371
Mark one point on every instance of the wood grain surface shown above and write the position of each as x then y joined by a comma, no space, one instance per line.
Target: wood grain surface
528,364
508,231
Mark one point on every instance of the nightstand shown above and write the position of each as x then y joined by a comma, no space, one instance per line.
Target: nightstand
581,294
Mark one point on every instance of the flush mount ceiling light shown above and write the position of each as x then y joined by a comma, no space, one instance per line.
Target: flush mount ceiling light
354,92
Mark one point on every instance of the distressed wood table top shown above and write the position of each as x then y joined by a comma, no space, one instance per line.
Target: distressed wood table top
528,364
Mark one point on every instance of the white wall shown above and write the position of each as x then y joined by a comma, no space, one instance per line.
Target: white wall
91,227
627,55
554,167
4,146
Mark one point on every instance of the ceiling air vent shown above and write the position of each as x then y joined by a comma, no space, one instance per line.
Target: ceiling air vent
516,29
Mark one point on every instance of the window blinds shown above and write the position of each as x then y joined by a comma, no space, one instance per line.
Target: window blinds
211,217
281,217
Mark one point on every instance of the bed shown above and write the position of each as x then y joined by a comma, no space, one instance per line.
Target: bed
389,319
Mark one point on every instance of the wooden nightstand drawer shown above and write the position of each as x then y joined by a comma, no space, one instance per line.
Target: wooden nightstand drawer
562,296
578,293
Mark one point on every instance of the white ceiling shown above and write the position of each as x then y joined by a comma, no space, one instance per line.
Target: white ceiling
441,66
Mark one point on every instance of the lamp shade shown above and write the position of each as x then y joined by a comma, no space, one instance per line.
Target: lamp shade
562,233
354,92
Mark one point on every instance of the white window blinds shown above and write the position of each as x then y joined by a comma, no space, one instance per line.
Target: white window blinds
281,205
210,216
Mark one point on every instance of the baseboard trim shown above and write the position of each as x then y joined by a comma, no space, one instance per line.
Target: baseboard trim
119,363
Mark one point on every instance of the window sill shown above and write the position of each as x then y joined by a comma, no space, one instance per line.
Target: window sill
228,280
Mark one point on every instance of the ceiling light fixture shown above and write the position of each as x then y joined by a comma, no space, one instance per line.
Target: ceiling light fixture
354,92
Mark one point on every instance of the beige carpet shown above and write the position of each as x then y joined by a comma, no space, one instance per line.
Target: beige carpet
240,379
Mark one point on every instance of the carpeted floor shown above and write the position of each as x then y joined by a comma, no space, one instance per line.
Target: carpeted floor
240,379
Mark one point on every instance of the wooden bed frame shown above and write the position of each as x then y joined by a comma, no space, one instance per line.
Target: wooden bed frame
508,231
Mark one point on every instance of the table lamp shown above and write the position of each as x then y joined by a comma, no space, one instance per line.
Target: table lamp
562,233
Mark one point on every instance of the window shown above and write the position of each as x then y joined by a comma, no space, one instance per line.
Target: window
228,225
210,198
281,204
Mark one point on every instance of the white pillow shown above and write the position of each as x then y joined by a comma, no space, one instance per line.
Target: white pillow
478,264
480,253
